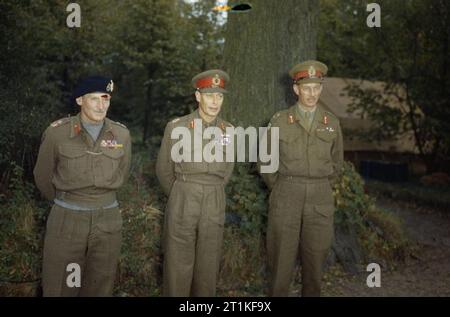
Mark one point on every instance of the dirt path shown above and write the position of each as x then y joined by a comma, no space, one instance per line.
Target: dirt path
425,274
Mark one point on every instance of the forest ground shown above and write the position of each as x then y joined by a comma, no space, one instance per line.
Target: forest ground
425,273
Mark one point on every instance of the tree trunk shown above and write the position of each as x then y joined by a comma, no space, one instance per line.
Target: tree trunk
261,46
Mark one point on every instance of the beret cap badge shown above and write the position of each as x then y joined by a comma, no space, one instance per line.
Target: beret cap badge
110,86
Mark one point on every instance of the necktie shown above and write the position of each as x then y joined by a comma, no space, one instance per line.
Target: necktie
308,116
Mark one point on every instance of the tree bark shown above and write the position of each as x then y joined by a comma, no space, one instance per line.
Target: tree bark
260,48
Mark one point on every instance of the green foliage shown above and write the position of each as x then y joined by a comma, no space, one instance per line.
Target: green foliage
21,232
140,264
385,237
352,203
247,199
409,52
380,233
242,270
243,261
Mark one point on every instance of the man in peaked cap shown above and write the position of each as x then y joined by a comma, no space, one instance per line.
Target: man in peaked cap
195,211
82,161
301,204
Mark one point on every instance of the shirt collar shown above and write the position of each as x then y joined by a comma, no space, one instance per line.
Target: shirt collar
76,126
303,108
205,124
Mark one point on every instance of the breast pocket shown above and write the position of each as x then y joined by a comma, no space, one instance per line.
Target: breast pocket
73,163
219,165
190,166
110,162
291,147
325,139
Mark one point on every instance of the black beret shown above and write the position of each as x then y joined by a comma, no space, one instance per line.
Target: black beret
93,84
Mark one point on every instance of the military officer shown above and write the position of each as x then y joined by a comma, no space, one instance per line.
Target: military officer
82,161
195,210
301,204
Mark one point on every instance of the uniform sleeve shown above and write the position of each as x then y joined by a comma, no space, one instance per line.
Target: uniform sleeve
269,178
337,155
125,164
165,167
45,166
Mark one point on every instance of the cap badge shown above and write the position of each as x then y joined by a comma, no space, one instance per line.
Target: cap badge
312,71
110,86
216,81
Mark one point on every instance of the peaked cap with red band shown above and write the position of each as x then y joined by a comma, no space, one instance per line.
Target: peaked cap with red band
308,72
213,80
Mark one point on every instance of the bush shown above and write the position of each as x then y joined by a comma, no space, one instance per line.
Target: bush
247,200
140,263
380,233
21,237
242,270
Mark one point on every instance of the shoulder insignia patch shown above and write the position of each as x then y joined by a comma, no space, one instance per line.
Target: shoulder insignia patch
290,118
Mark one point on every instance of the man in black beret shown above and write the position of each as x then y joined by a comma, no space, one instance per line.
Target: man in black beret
82,161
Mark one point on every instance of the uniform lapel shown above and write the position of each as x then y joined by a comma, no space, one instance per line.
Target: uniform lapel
75,126
77,129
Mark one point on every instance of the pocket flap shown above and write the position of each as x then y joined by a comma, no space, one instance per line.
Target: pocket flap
72,151
114,153
324,210
325,135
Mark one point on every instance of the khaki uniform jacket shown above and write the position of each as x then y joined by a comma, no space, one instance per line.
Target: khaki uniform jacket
88,173
205,172
316,153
